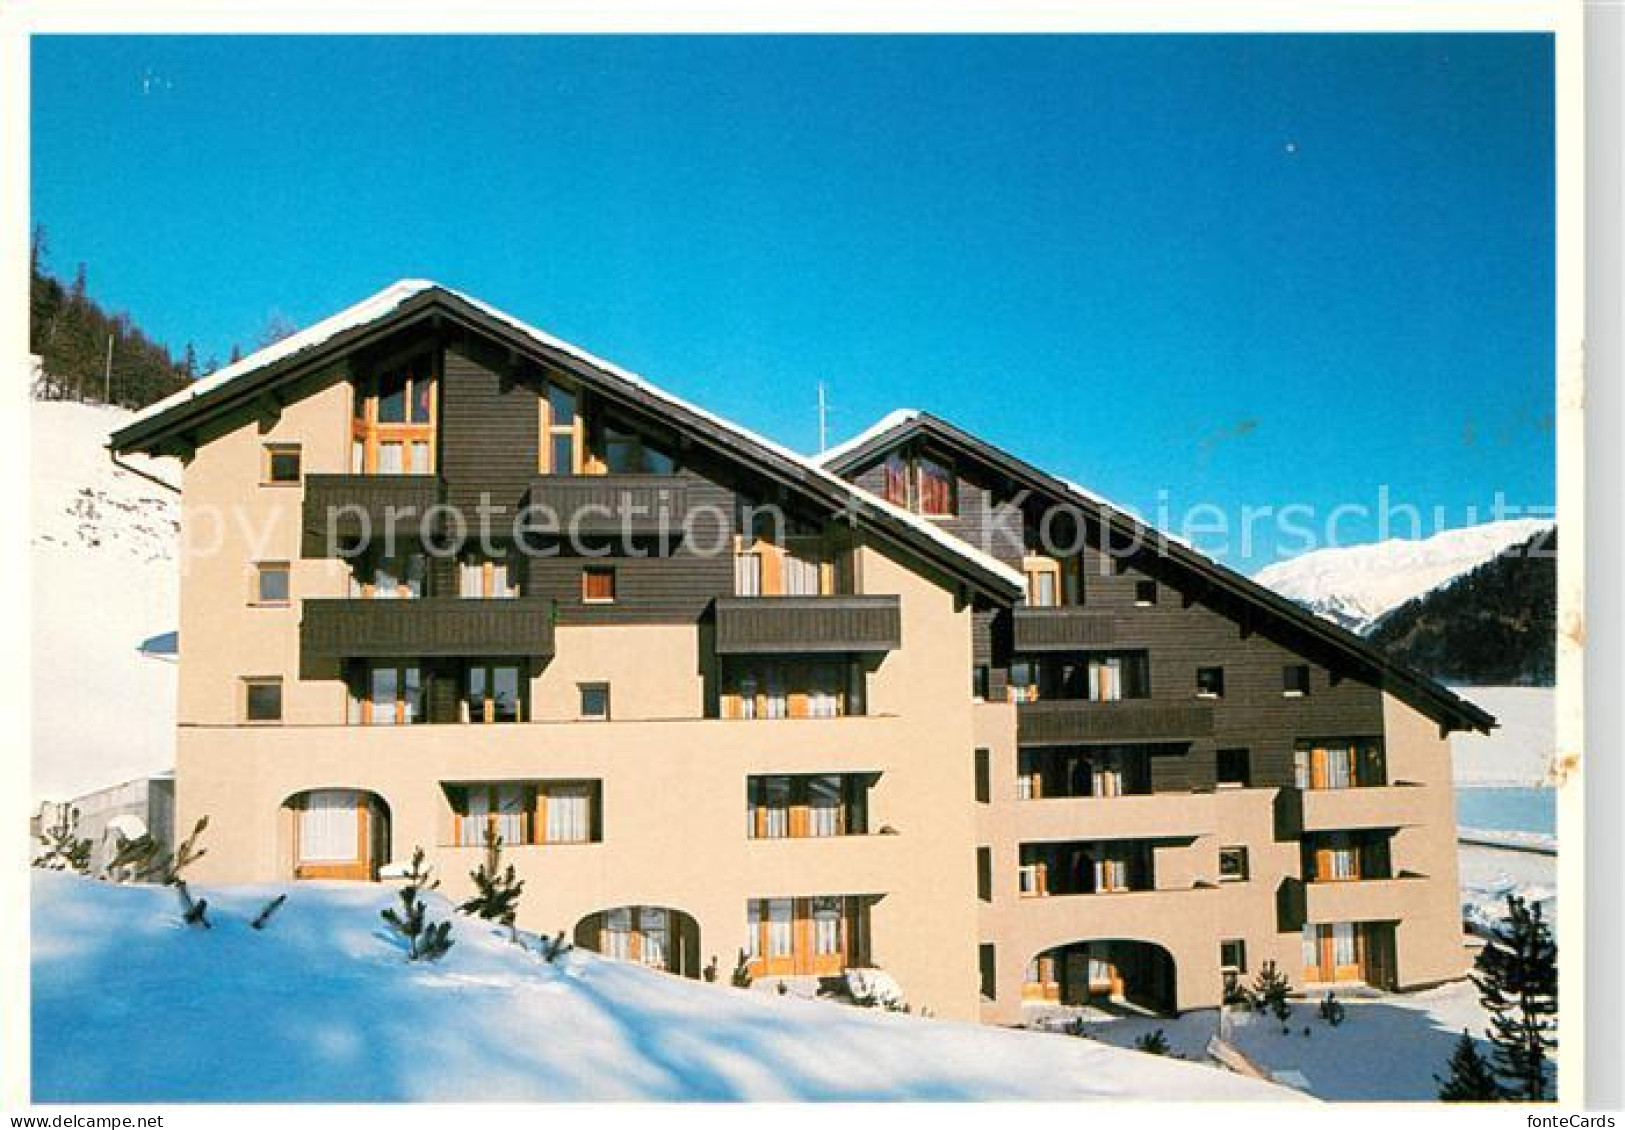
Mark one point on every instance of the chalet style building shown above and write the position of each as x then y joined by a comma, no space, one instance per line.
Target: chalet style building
917,705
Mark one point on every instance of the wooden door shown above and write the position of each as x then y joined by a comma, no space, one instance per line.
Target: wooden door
333,836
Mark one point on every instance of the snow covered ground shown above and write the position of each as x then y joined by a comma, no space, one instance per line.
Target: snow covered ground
1356,585
102,547
1519,752
131,1005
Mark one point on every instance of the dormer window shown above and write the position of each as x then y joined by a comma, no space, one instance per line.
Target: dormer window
921,483
392,429
561,448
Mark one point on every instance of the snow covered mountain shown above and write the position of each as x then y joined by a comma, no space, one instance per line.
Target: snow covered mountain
322,1006
1355,586
103,546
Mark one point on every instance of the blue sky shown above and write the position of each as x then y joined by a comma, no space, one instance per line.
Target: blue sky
1243,270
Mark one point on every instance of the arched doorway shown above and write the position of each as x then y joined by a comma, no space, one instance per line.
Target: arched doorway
656,936
1104,971
337,833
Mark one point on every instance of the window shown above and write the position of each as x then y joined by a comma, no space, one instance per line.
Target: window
894,485
1145,593
561,431
988,962
595,702
526,812
806,806
1340,763
1295,680
1114,677
492,693
984,874
392,428
598,584
262,699
400,576
624,451
1210,682
984,776
1043,581
1232,864
386,693
282,463
271,584
481,578
1235,769
981,678
934,481
753,688
1233,955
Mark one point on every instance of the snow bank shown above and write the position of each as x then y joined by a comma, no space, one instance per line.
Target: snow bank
130,1005
103,546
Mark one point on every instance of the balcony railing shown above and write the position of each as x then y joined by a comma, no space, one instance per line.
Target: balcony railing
1066,721
345,507
610,505
433,626
747,625
1061,629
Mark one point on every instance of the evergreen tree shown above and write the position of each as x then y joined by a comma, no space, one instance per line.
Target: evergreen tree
425,940
65,848
1472,1080
1516,976
1270,991
741,975
496,890
1153,1043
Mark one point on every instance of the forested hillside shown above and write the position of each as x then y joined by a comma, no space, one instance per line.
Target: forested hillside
71,331
1495,626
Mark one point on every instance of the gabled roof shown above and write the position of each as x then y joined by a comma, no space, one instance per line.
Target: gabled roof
413,301
910,425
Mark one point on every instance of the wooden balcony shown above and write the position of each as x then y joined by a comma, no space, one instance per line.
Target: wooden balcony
609,505
748,625
1068,721
1061,629
433,626
366,507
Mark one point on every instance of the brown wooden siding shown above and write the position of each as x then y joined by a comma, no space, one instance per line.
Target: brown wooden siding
432,626
792,624
361,506
489,431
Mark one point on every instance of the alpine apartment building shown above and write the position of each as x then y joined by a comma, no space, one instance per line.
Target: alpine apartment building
917,705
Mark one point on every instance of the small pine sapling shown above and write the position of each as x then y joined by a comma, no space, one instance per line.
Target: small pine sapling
741,974
1472,1079
1332,1011
556,948
136,861
65,848
1153,1043
263,918
711,972
496,890
1270,991
193,913
425,940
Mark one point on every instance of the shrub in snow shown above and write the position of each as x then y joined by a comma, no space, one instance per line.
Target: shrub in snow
136,861
741,974
1516,975
65,848
1153,1043
425,940
1331,1010
1472,1080
875,988
555,948
711,972
1270,991
496,889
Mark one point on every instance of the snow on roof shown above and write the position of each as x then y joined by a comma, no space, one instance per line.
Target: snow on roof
363,312
893,419
389,299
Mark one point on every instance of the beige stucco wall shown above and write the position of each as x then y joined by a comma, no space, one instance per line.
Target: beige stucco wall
673,784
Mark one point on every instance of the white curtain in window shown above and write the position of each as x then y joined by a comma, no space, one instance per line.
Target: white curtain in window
826,916
476,817
778,704
1340,863
748,574
618,933
821,697
777,808
568,814
1311,947
747,696
420,457
1340,768
383,695
800,576
824,806
753,929
511,813
390,458
653,922
1343,944
780,932
1300,768
470,580
329,826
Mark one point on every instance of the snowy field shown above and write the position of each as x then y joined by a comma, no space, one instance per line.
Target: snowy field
105,577
130,1005
1519,752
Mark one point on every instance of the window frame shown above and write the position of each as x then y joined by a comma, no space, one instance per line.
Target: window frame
270,452
550,431
1288,673
593,687
1211,692
1220,781
262,569
250,683
372,433
591,572
488,699
1235,852
1145,594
